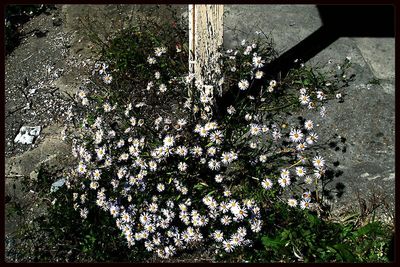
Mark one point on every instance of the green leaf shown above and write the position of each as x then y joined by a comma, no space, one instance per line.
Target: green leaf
345,253
272,243
313,219
367,229
212,192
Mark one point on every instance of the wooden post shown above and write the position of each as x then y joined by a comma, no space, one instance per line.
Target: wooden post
205,38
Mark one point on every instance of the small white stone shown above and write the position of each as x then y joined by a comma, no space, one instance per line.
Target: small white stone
27,134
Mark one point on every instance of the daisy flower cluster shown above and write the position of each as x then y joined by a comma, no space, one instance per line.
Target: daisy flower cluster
157,187
174,180
242,66
102,69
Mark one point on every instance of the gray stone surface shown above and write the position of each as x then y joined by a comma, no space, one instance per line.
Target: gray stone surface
285,23
365,119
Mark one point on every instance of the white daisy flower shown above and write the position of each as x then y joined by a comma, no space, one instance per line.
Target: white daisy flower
82,94
285,173
320,95
305,204
213,204
211,126
227,193
304,99
182,122
218,178
300,171
301,146
203,132
162,88
94,185
114,211
85,101
211,151
101,151
149,86
144,218
243,85
169,141
253,145
181,151
248,117
228,246
259,74
247,51
234,155
197,128
226,220
283,182
276,134
84,212
292,202
266,184
263,158
160,187
197,151
255,129
214,165
231,110
134,151
258,62
318,162
312,138
296,135
123,157
309,125
107,107
153,207
308,180
107,79
158,51
226,158
182,166
218,236
96,174
81,168
151,60
216,137
239,213
148,245
223,206
255,225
